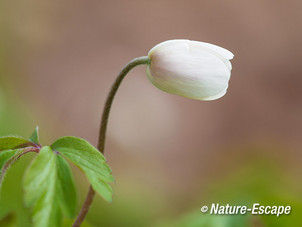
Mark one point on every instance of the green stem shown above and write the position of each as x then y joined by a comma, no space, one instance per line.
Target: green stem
103,127
115,86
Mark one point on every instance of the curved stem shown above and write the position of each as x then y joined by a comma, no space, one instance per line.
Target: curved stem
110,97
103,127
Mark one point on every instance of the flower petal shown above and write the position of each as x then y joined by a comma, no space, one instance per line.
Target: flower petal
191,69
217,49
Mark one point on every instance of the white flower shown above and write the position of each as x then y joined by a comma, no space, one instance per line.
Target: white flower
192,69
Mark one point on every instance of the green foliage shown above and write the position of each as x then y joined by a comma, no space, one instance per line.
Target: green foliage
13,142
90,161
66,187
35,136
48,183
7,158
11,148
40,185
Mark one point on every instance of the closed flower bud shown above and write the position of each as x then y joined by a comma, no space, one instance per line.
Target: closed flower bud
191,69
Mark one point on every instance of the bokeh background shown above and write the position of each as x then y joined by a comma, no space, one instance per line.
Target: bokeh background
169,155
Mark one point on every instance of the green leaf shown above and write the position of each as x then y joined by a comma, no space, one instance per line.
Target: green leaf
49,188
66,188
13,142
7,158
9,152
41,189
35,136
89,160
78,144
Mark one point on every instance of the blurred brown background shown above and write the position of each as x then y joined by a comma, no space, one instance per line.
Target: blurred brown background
168,154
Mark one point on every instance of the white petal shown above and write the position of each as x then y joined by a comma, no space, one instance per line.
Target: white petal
217,49
228,64
192,73
219,95
189,68
166,44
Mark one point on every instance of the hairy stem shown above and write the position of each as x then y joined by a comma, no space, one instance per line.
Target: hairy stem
103,127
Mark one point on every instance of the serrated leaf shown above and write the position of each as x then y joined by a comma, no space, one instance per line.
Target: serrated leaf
13,142
78,144
89,160
40,185
66,188
35,136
